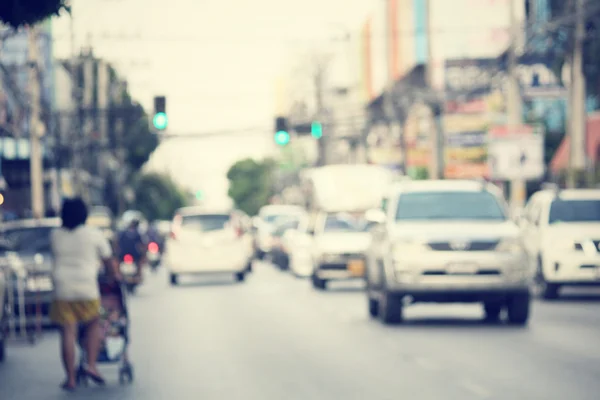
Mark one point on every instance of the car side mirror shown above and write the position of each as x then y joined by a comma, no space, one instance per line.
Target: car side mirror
376,215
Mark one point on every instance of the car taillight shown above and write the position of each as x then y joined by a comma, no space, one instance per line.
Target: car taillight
153,247
128,259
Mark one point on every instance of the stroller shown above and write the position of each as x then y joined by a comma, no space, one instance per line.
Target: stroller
114,320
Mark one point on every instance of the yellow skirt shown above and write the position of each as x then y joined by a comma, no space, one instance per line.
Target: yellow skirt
64,312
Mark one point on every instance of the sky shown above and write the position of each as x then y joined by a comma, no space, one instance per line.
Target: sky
217,62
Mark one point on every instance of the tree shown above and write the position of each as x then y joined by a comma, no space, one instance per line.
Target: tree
157,196
251,184
137,139
17,13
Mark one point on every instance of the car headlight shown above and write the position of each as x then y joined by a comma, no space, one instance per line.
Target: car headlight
403,247
511,245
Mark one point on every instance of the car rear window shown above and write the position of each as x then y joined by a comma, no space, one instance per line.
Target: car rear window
205,222
29,240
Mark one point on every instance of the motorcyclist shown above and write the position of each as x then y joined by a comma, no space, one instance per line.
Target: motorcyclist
131,241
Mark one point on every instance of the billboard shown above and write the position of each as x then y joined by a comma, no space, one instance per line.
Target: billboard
465,29
465,145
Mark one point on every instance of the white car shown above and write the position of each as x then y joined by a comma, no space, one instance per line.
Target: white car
205,242
265,224
339,244
448,242
562,236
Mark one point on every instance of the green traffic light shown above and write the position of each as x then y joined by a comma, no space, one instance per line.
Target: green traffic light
316,130
199,195
282,138
160,121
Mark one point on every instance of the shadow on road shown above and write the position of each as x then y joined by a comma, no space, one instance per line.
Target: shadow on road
577,298
191,283
456,323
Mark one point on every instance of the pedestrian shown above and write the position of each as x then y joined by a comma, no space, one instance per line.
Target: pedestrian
78,251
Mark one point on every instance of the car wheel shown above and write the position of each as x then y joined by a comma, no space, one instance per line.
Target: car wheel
492,311
373,307
318,283
174,279
2,350
390,309
519,306
546,290
240,276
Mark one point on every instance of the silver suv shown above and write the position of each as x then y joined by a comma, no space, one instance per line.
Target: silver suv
447,242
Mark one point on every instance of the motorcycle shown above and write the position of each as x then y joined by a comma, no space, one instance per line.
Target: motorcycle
153,255
129,271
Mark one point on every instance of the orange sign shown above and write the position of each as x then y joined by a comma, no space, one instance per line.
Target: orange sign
466,171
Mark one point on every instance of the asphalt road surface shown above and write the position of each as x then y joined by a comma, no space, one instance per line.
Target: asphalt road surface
274,338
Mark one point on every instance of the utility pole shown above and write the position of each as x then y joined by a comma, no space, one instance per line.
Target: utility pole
76,123
577,156
35,126
514,106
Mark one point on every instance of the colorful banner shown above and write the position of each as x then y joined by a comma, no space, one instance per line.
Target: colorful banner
465,148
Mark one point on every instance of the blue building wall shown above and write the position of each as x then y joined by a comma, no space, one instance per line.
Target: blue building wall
421,34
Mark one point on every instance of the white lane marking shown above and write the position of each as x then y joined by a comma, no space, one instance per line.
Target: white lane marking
476,389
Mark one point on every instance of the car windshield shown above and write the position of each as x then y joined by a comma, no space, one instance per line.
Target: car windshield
284,227
340,223
30,240
205,222
449,206
574,211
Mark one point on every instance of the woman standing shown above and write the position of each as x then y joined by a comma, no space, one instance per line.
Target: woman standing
78,251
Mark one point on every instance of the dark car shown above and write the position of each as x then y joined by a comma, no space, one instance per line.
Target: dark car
30,239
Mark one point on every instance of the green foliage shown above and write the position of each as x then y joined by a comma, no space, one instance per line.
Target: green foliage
139,141
250,184
418,173
157,196
17,13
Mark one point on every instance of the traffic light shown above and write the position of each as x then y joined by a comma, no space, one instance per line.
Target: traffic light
160,120
282,134
316,130
199,195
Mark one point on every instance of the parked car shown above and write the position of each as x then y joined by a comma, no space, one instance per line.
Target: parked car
30,239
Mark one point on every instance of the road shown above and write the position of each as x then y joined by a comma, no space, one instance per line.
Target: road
273,337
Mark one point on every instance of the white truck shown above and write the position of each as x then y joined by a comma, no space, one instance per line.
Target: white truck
336,195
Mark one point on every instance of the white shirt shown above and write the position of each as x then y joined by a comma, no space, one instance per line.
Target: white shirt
77,256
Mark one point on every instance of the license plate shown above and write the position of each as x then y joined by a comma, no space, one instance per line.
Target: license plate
128,269
356,267
39,284
462,268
